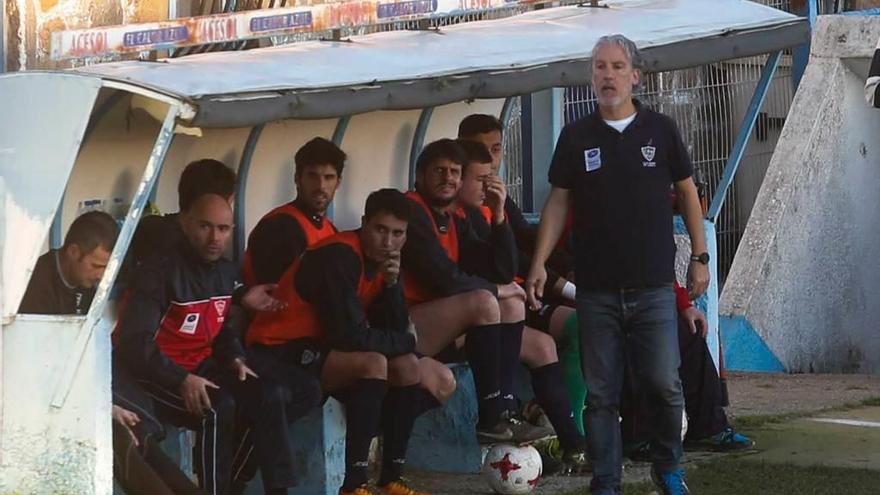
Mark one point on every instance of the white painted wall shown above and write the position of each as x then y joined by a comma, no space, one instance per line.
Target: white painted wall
49,450
378,145
111,161
444,121
807,273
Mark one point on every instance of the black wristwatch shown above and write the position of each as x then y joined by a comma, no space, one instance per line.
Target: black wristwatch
702,258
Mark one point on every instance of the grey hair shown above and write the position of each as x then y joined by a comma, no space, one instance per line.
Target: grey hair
626,44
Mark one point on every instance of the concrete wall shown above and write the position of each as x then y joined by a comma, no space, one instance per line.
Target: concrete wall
803,294
48,450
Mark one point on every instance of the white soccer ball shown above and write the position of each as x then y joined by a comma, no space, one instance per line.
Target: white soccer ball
511,470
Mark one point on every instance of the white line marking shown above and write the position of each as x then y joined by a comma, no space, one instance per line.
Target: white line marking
848,422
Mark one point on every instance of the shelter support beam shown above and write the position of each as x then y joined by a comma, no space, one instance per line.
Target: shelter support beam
546,124
418,142
742,137
151,175
244,169
338,136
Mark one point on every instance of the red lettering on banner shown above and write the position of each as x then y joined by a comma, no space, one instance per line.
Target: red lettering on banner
474,4
89,43
348,14
215,30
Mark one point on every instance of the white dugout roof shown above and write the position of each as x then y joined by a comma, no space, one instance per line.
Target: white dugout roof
486,59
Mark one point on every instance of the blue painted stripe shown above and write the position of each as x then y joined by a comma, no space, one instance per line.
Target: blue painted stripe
744,349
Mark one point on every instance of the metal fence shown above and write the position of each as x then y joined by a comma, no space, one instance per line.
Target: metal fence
512,147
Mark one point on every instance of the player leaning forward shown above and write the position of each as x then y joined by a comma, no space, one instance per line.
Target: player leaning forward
615,169
347,323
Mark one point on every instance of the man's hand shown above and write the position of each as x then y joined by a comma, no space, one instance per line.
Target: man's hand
697,279
390,268
696,320
259,298
535,285
194,391
241,370
496,195
128,420
511,290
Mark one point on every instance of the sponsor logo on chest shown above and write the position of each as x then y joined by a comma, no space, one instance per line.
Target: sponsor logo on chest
190,323
593,159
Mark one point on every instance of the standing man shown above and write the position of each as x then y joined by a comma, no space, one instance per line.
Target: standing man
615,168
284,233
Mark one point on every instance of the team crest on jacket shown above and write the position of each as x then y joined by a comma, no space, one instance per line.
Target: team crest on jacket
220,305
308,357
648,153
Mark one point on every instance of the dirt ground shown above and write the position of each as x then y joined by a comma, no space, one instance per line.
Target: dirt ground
753,394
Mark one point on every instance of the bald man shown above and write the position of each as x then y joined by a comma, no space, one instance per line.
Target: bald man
178,336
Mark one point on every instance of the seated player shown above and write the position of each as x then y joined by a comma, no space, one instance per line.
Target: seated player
178,337
162,233
559,297
280,238
347,323
488,131
64,279
538,349
447,302
282,235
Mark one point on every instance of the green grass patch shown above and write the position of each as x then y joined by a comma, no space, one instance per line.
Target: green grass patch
739,476
752,422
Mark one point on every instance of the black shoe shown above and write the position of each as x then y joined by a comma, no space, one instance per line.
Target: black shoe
526,433
498,433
